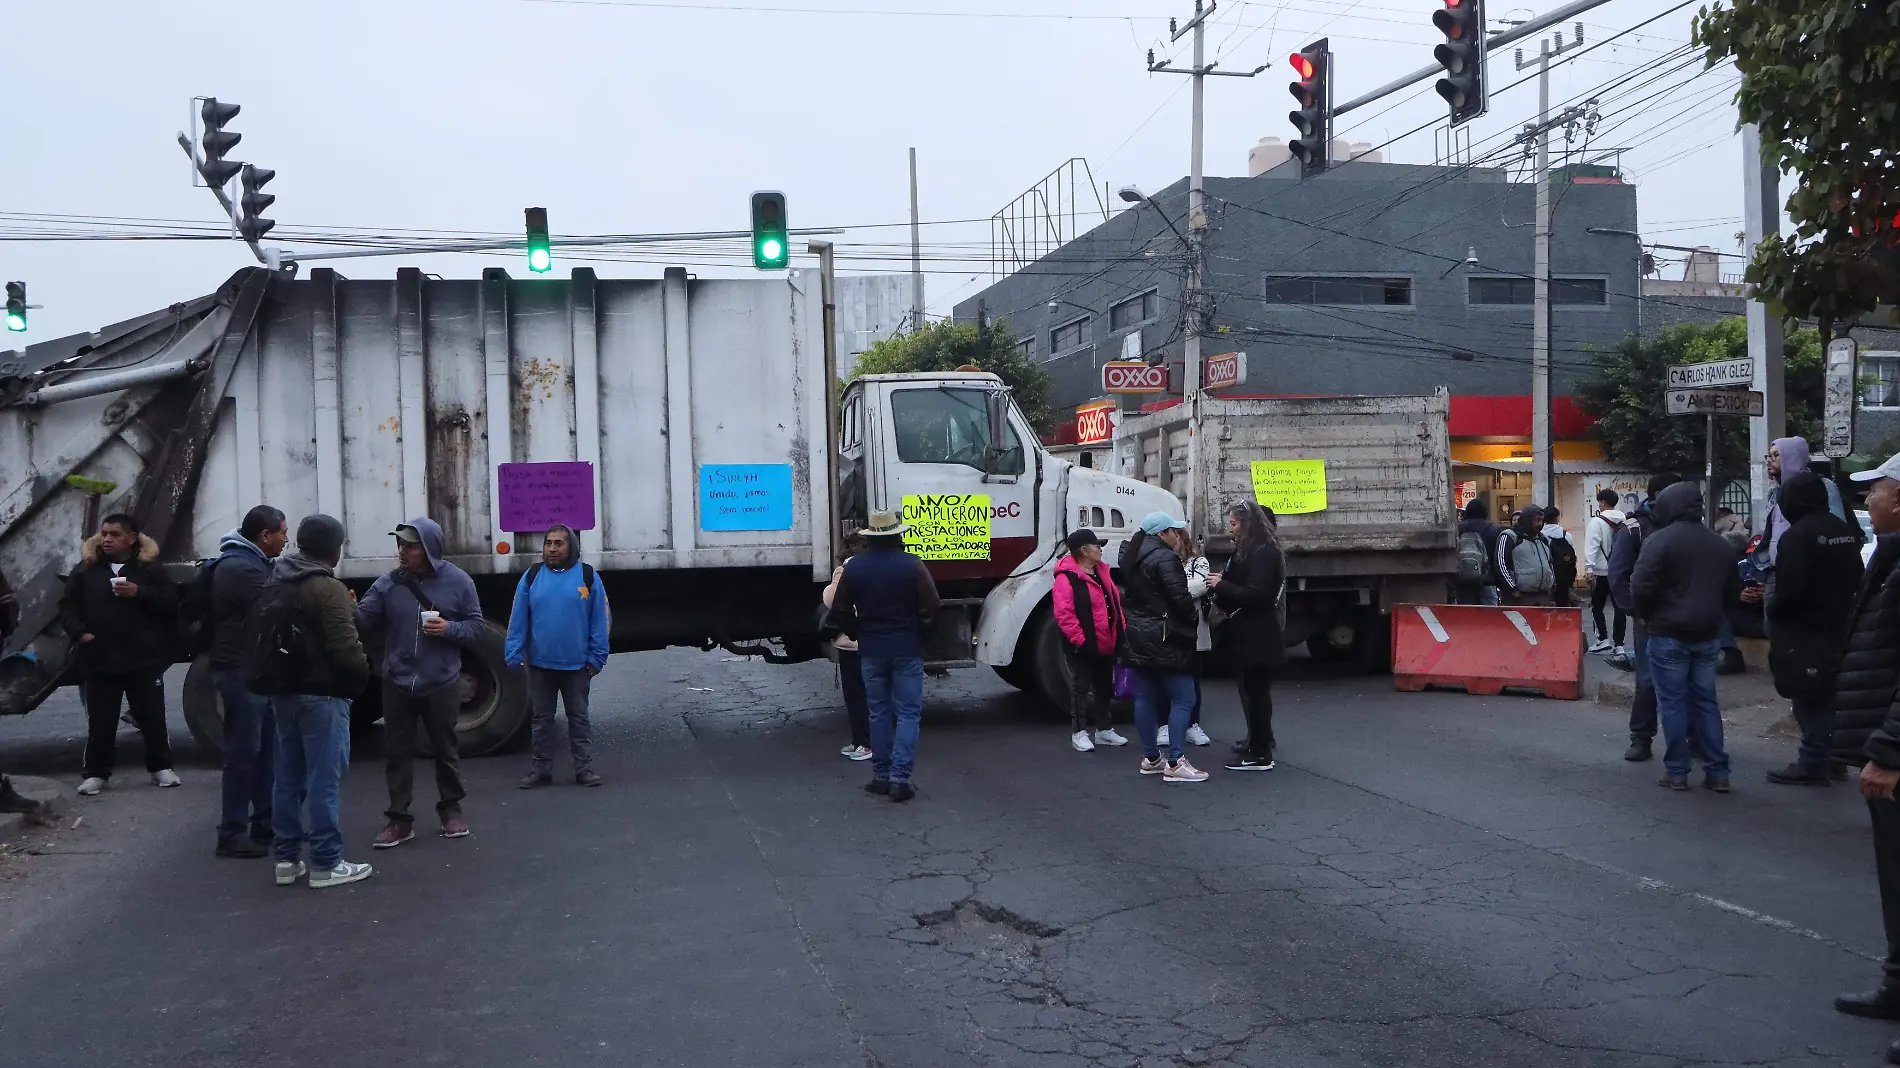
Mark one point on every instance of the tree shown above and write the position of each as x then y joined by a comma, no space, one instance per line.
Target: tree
1819,77
1634,425
946,346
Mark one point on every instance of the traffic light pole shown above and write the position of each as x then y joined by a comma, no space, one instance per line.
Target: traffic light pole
270,257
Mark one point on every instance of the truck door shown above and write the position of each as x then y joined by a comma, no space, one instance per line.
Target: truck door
937,444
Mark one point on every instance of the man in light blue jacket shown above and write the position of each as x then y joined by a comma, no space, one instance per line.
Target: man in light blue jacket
558,628
427,612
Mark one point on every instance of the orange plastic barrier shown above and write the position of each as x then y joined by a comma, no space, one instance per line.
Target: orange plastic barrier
1485,649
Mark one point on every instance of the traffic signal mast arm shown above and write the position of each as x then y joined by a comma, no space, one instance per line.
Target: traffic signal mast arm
217,190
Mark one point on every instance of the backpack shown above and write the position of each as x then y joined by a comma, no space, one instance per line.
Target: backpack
587,576
1563,561
197,627
285,644
1473,561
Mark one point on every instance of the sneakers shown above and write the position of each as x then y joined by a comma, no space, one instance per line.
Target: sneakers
1243,762
1602,645
242,849
855,752
1081,742
454,827
1638,750
902,791
91,785
1153,767
1796,775
289,871
534,779
344,872
587,778
393,835
1109,737
1619,658
1182,771
1197,736
168,777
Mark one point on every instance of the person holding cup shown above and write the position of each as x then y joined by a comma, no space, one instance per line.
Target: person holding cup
426,612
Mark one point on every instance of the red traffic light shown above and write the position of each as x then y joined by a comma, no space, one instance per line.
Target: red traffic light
1302,64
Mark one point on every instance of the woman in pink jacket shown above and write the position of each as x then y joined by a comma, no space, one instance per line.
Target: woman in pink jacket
1089,611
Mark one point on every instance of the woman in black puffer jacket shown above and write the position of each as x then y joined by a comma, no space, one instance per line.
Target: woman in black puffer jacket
1864,689
1249,590
1159,641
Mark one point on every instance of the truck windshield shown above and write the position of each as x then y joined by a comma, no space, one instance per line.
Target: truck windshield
948,426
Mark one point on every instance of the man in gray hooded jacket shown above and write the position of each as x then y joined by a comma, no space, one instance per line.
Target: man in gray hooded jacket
427,612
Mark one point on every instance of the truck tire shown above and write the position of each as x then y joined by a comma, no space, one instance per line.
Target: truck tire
1019,673
204,713
1052,676
494,715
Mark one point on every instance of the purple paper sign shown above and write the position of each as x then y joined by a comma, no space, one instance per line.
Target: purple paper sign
537,496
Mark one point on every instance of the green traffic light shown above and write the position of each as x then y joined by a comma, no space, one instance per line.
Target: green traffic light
771,250
540,260
16,322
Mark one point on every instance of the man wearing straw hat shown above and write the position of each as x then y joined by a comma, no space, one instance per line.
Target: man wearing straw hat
894,599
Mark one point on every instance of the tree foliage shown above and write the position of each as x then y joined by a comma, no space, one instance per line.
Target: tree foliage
1822,78
946,346
1632,420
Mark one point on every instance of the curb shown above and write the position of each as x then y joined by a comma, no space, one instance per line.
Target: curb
51,796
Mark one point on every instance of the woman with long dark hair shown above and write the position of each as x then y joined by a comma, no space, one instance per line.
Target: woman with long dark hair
1249,589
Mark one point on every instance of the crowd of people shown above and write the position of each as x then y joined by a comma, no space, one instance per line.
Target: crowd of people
287,645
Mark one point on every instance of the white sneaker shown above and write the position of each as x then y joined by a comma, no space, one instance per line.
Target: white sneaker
1109,737
344,872
168,777
289,871
1161,736
1182,771
1081,742
1155,766
1603,645
856,752
1197,736
90,787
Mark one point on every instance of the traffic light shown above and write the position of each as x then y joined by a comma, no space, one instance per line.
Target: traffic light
540,252
771,251
218,142
1462,56
16,306
1312,118
252,203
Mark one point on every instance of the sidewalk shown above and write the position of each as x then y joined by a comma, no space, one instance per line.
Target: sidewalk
1749,701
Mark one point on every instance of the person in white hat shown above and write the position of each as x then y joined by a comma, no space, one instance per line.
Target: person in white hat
894,600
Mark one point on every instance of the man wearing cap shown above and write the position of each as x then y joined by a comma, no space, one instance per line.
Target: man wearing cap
895,600
427,612
1867,725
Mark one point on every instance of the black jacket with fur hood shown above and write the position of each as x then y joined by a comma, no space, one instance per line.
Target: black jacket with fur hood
129,634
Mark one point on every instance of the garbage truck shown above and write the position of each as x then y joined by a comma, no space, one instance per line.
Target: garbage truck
684,426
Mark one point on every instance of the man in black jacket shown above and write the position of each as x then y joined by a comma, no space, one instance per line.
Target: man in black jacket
123,610
1867,725
1624,549
1683,582
1818,569
240,570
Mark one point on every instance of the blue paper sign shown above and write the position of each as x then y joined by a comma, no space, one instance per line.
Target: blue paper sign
745,497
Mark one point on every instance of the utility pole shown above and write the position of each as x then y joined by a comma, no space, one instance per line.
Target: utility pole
916,253
1196,241
1761,211
1544,476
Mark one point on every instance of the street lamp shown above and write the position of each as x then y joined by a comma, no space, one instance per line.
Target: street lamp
1133,195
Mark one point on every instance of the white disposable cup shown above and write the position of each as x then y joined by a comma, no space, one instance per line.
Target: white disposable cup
427,616
119,580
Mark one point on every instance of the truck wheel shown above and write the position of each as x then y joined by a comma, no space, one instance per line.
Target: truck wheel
1052,677
1019,673
494,715
204,713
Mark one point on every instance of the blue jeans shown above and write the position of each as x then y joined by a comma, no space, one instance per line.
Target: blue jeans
1685,702
1643,703
894,693
1151,691
313,752
248,734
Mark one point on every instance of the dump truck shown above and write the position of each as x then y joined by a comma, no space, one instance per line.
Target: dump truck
1366,515
684,426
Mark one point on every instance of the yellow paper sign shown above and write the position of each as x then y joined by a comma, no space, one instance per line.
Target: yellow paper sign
1290,487
948,526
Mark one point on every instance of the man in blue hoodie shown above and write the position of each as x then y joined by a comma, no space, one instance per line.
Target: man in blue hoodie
427,612
558,628
242,566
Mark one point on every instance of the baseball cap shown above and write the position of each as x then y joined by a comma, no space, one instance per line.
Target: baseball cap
1156,522
1890,469
1082,537
408,533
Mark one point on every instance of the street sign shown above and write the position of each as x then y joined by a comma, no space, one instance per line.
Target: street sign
1837,420
1705,375
1121,376
1092,423
1226,369
1715,402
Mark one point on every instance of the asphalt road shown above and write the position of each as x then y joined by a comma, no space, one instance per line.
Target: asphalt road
1428,879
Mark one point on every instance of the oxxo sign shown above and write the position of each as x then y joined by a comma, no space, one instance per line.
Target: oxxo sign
1122,376
1092,423
1226,369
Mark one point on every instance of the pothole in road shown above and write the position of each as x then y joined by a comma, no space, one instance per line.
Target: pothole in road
989,934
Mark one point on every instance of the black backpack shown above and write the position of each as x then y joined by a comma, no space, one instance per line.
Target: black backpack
1563,561
285,644
197,627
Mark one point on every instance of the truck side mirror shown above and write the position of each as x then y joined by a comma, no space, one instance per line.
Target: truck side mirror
996,454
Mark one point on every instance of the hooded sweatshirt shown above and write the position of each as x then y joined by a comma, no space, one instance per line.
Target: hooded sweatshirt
1523,558
1795,459
1597,536
1685,577
559,621
237,574
323,598
415,662
1818,567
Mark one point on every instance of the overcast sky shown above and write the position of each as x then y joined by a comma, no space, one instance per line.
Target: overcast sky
636,117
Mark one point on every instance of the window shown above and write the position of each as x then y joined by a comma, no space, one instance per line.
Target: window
1027,346
1563,291
1069,336
1115,519
1338,289
1134,311
949,426
851,431
1096,518
1880,379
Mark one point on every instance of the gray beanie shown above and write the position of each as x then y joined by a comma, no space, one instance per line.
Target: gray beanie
320,537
